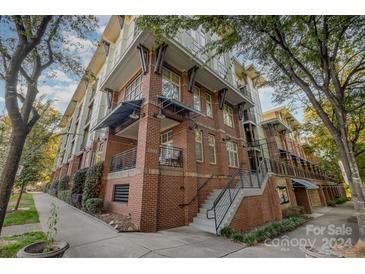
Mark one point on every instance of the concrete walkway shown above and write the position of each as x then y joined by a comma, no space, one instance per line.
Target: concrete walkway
89,237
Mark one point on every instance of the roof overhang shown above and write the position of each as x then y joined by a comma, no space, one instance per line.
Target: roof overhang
300,183
119,115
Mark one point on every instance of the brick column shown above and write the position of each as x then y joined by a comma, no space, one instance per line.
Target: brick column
303,199
144,187
322,196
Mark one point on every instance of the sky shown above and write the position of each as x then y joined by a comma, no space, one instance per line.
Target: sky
61,86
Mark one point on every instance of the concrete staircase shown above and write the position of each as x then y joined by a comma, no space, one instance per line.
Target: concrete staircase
201,221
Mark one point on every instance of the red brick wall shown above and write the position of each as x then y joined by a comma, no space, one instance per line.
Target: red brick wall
257,210
171,195
303,199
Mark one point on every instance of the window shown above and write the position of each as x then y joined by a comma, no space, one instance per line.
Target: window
228,116
283,194
170,84
209,106
166,138
232,154
121,193
198,145
212,153
134,91
84,138
196,95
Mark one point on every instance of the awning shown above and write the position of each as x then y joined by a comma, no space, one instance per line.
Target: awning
176,106
303,183
119,115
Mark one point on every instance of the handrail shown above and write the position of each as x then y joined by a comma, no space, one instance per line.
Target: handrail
197,192
225,201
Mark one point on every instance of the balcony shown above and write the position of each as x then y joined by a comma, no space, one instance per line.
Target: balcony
249,117
124,160
171,156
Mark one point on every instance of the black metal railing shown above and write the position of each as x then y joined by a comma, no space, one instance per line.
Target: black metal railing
171,156
124,160
240,179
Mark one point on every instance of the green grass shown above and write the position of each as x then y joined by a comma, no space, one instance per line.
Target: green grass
21,217
10,245
267,231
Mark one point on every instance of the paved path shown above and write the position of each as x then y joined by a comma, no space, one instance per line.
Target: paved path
329,224
19,229
91,238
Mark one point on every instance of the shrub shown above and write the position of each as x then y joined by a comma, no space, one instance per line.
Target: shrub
267,231
92,183
63,183
65,196
341,200
78,182
332,203
293,211
93,205
54,188
226,231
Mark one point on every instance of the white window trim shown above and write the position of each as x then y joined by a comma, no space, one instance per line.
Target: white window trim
228,112
129,87
196,89
214,148
170,80
210,103
234,152
201,144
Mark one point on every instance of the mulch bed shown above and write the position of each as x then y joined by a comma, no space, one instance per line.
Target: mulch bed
117,221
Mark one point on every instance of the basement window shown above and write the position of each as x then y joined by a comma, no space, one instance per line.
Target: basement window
283,194
121,193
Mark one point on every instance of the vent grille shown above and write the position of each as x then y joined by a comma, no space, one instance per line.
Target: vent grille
121,193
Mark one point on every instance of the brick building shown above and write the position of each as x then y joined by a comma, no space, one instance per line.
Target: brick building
169,123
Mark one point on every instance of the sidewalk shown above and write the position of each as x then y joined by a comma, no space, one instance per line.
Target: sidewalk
91,238
329,224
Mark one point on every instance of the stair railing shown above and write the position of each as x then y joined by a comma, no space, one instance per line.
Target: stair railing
240,179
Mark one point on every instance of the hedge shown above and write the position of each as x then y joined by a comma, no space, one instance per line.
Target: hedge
63,183
267,231
93,205
65,196
92,183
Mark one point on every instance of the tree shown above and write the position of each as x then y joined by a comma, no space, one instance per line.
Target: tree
323,146
29,46
316,59
40,149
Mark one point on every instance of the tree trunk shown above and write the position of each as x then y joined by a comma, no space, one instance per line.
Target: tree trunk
8,174
19,197
358,197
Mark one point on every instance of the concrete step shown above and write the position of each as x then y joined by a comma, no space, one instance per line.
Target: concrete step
205,221
204,228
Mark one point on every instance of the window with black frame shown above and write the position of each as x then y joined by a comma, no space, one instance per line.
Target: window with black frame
283,194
